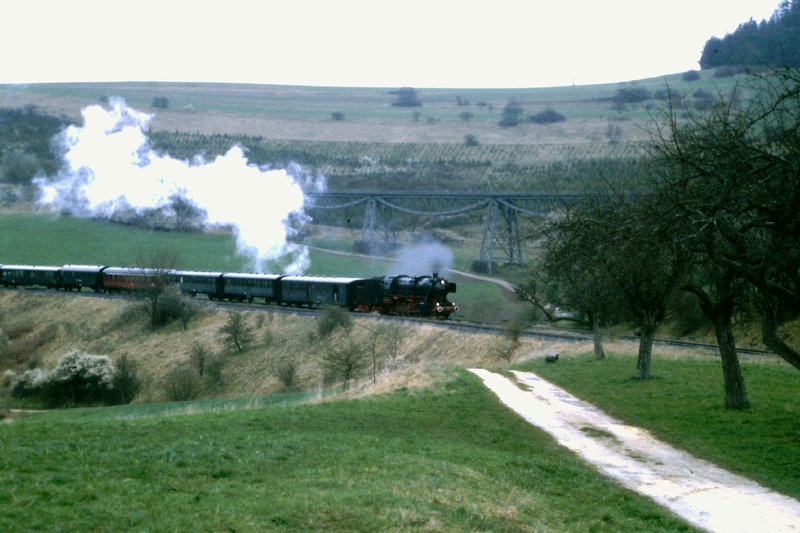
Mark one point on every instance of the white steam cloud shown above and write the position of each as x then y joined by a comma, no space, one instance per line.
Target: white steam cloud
110,171
423,260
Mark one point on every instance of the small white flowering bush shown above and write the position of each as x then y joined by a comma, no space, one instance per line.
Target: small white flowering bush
78,379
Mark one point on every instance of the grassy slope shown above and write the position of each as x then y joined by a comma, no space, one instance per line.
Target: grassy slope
450,458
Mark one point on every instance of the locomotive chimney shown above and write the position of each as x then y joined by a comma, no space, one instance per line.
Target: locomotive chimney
435,274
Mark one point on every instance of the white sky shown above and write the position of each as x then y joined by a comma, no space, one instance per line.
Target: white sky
371,43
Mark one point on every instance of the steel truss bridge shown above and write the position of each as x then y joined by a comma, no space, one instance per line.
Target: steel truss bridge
501,218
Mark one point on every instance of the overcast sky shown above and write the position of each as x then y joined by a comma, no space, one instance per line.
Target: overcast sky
419,43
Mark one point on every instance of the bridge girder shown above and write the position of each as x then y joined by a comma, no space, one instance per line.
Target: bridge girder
501,222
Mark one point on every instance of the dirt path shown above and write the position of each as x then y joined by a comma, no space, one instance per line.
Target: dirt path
696,490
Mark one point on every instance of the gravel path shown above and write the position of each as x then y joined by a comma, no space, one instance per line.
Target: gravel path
699,492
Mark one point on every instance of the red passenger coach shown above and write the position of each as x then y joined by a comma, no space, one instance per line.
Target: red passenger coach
116,279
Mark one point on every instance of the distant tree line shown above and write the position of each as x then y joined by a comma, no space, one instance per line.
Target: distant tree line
773,43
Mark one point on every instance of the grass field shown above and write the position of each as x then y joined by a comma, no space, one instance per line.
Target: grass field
304,113
446,459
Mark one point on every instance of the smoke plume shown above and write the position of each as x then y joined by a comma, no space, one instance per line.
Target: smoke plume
111,172
423,259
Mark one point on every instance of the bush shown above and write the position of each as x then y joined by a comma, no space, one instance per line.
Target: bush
406,97
79,379
285,370
691,75
182,383
511,114
126,382
547,117
213,370
331,319
173,305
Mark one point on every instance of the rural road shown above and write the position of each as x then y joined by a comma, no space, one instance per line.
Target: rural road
701,493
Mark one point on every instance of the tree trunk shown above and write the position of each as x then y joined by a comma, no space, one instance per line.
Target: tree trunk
772,338
599,352
735,392
648,335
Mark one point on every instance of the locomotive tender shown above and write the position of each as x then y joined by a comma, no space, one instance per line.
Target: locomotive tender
425,296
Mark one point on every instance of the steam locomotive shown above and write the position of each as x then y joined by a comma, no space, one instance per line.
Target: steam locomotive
423,296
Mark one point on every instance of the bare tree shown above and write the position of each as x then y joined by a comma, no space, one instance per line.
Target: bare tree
237,330
346,358
729,189
609,253
155,267
199,355
569,282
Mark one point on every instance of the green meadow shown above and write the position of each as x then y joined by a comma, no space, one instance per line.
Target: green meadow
450,458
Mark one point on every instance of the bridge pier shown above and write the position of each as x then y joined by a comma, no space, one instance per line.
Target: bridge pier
501,227
378,233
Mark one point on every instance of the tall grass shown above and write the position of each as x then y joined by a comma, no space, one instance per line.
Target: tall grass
446,459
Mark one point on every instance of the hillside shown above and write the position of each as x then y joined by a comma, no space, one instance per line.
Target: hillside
305,113
43,327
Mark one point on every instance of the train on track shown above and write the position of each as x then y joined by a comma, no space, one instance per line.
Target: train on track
423,296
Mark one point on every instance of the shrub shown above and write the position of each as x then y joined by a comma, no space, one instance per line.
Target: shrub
406,97
511,114
173,305
29,384
470,140
79,379
331,319
126,382
548,116
182,383
691,75
213,371
337,116
285,370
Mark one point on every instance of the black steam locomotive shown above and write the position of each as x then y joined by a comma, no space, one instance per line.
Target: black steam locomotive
424,296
